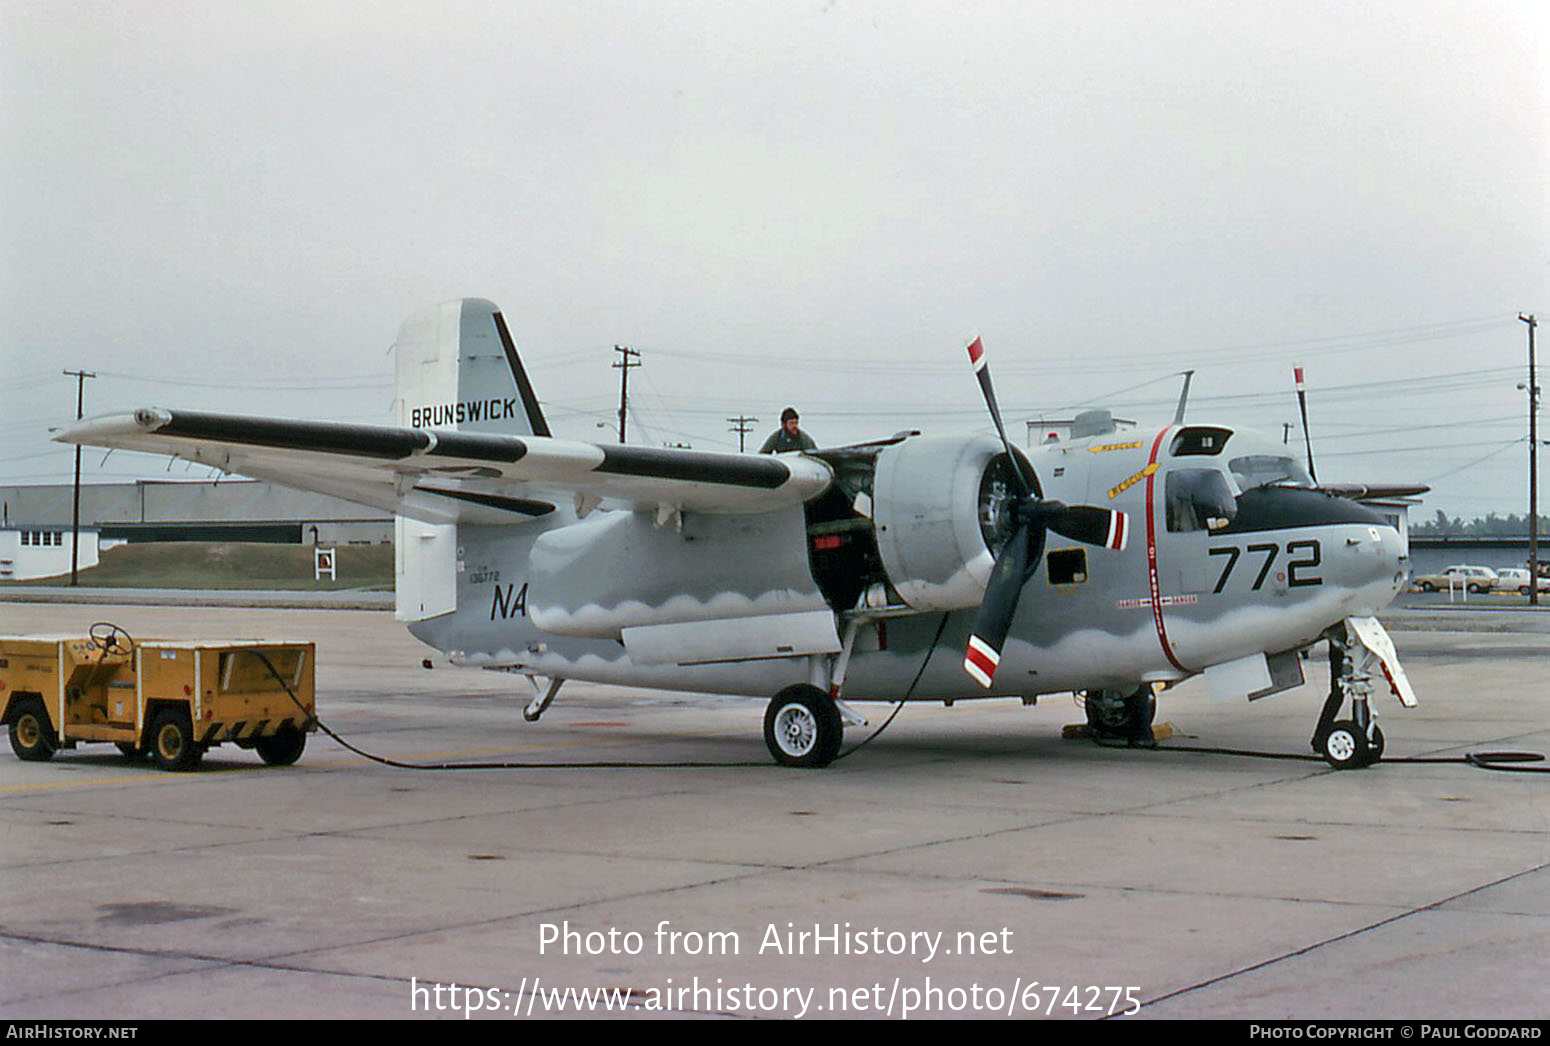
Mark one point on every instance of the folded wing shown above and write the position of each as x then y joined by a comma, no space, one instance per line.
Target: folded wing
444,477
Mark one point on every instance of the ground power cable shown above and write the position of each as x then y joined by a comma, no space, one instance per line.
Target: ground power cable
899,705
311,717
1501,761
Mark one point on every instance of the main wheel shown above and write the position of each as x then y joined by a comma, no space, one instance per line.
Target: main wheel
1427,586
172,741
31,737
802,727
283,747
1345,746
1112,716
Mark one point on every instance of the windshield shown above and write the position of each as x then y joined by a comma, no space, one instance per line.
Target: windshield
1264,470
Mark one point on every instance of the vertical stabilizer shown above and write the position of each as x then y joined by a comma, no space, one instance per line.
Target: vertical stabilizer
457,370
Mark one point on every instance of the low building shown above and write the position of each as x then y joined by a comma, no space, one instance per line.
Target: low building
227,509
43,550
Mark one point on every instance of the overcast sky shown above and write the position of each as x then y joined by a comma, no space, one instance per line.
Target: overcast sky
233,206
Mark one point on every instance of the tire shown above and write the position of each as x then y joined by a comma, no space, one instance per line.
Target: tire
1374,745
1427,586
802,727
1345,747
283,747
32,739
172,744
1111,718
1522,590
1476,589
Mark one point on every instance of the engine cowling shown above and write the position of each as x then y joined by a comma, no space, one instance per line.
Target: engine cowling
942,506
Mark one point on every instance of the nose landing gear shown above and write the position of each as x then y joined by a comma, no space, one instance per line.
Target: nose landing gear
1357,648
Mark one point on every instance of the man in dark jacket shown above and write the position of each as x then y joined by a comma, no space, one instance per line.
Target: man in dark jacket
789,436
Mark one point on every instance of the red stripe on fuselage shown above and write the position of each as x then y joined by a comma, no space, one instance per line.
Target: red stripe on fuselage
1151,555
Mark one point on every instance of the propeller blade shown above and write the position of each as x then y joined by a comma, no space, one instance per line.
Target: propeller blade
988,389
998,606
1088,524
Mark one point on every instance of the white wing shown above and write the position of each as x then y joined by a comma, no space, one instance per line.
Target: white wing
442,477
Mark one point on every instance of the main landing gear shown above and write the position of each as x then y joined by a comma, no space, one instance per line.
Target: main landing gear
802,727
1115,718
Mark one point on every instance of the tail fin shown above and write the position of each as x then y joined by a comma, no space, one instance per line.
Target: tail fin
458,369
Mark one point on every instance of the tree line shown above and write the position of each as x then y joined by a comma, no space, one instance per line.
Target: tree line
1490,526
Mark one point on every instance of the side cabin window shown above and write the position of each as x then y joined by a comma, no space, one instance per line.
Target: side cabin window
1199,499
1066,566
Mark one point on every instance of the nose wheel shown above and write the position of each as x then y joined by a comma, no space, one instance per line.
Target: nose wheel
1347,744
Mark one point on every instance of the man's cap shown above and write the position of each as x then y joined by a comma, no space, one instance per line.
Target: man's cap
789,414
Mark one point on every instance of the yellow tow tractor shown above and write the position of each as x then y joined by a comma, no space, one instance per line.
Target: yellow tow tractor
169,699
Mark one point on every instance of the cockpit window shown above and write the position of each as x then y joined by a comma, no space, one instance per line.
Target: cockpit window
1199,499
1266,470
1199,439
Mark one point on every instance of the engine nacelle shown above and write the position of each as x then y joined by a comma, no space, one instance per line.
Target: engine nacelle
941,504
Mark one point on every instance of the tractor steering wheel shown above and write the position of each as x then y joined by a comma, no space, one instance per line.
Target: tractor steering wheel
111,639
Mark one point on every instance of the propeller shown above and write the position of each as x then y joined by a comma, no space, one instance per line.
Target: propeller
1017,559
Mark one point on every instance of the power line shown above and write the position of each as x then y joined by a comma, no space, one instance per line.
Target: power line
1364,341
1416,450
1471,464
363,381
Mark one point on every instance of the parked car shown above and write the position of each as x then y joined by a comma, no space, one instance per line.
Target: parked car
1517,577
1474,579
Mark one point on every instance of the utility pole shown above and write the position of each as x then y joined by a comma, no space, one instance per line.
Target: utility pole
75,524
1533,466
630,359
742,425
